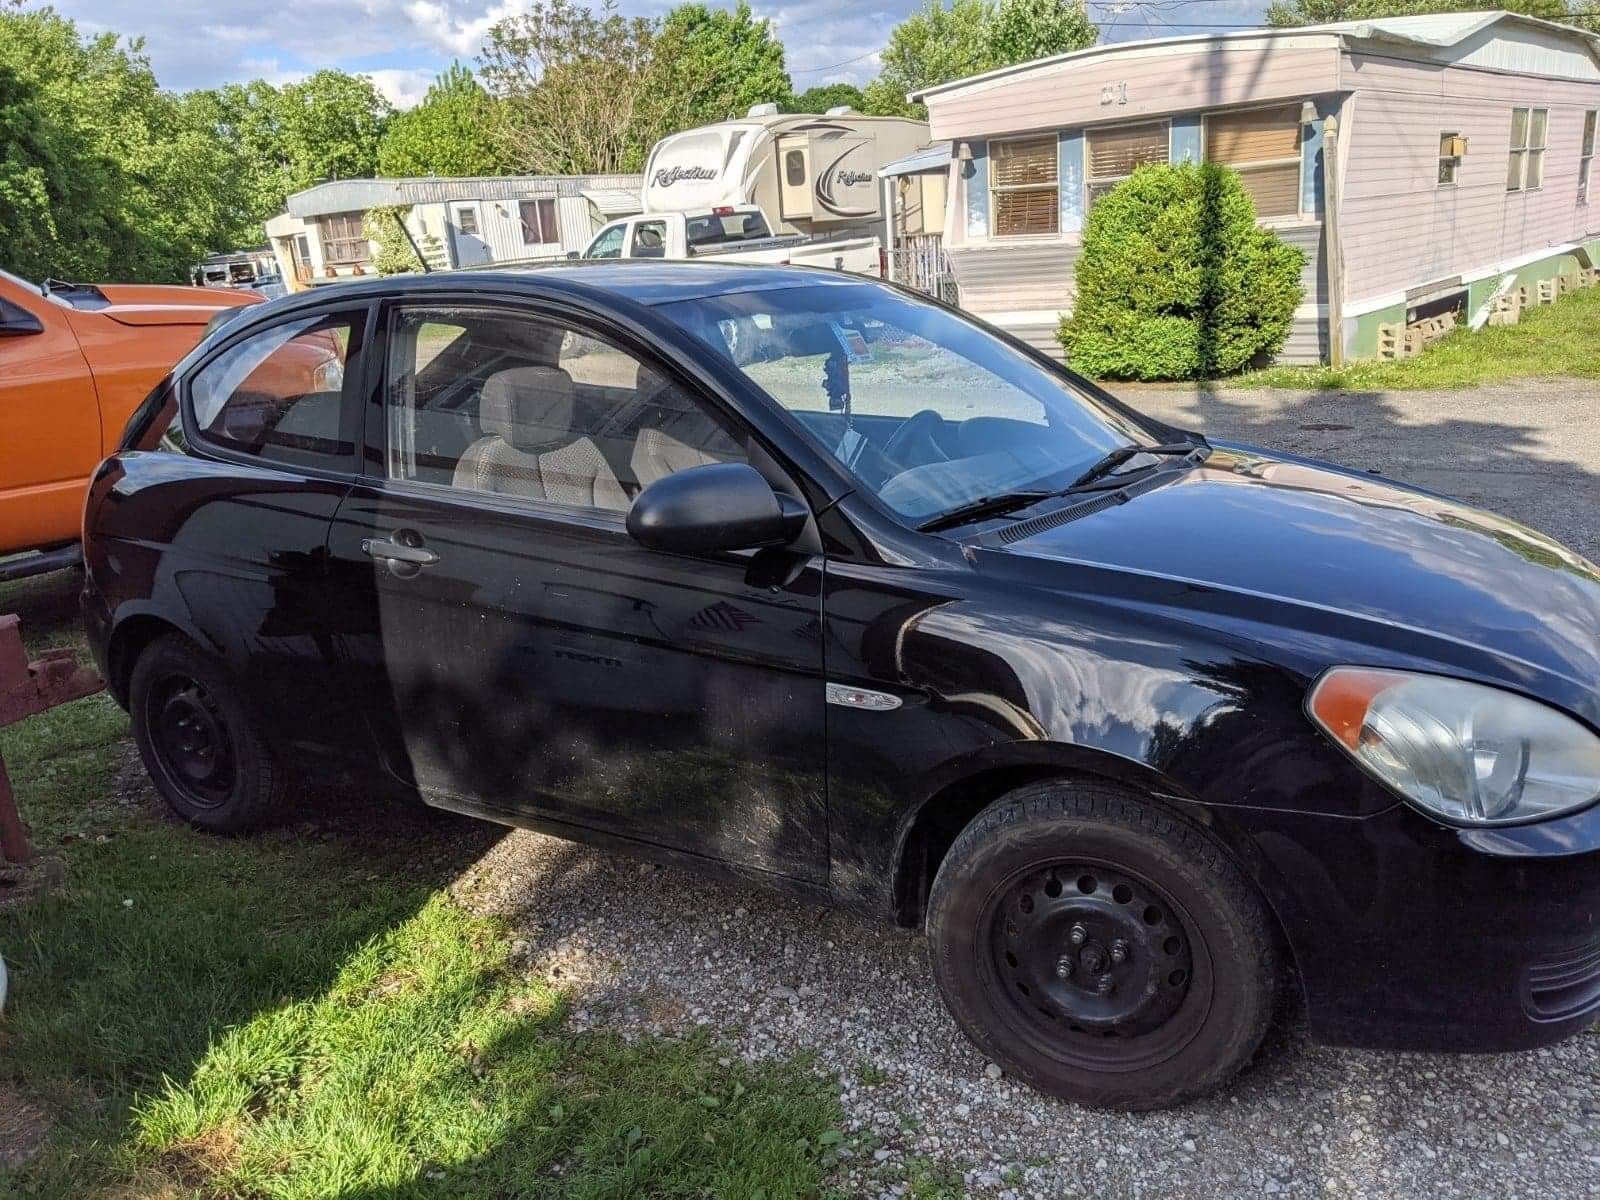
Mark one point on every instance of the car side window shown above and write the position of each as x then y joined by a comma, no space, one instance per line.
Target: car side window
528,407
608,244
279,395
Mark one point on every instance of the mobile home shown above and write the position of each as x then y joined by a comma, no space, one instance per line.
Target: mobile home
455,222
1463,168
811,174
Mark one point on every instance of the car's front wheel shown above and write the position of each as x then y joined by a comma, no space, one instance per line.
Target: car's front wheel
1101,948
197,742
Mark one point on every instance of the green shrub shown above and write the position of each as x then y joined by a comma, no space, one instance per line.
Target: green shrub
394,255
1177,281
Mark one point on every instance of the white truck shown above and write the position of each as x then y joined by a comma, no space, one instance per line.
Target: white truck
768,187
734,233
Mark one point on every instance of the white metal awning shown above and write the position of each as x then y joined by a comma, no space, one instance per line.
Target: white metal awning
930,158
612,202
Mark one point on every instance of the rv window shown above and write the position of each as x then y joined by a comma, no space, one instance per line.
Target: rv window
1114,154
794,168
1586,155
1263,145
1022,184
1525,166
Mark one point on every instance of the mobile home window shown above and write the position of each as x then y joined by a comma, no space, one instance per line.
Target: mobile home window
1586,155
343,242
1114,154
538,222
1525,167
1263,145
1023,186
1449,160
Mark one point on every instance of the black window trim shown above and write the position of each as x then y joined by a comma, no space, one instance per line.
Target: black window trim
374,445
351,402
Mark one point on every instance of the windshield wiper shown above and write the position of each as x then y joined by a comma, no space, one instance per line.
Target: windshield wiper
983,506
1122,454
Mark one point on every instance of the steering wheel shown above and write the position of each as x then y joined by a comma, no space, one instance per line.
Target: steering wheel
916,442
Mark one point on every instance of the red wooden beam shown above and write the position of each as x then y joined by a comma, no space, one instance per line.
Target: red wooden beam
27,688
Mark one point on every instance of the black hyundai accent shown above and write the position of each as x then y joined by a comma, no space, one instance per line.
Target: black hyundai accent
809,580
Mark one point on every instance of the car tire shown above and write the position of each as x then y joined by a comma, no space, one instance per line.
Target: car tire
198,742
1101,948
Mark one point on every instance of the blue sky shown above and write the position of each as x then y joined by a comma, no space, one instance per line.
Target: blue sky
402,44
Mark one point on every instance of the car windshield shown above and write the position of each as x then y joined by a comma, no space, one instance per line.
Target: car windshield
926,409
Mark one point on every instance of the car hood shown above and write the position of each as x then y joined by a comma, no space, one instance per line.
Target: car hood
162,304
1332,553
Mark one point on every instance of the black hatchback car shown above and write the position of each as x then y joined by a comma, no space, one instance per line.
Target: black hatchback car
806,579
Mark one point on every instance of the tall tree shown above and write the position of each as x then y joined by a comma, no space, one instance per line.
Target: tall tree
828,95
938,44
248,117
331,123
931,46
1317,12
575,87
714,63
452,132
1022,30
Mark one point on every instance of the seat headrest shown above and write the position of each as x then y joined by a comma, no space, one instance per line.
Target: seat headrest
530,407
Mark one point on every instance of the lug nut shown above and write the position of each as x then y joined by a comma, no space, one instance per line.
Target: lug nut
1119,951
1078,936
1063,967
1104,985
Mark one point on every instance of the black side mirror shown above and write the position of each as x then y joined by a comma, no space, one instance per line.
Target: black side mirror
719,506
16,320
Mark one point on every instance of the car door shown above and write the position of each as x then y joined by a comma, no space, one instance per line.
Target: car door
526,658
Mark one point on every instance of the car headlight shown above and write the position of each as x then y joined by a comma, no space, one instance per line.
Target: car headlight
1462,751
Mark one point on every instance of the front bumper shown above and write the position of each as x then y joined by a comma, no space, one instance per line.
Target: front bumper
1411,935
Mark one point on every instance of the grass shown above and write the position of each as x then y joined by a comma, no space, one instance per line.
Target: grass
306,1014
1560,340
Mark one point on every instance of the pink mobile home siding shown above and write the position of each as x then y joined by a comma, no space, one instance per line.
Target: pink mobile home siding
1160,81
1400,228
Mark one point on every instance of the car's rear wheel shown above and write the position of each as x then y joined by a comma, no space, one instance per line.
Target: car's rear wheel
1100,948
197,742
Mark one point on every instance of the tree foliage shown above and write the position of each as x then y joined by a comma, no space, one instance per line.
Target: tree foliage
937,44
451,133
1177,280
330,124
712,63
1317,12
575,86
394,255
828,95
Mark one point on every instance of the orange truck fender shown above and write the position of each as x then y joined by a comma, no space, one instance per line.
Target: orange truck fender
73,367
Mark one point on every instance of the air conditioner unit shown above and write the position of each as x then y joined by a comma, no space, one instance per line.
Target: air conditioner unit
1453,147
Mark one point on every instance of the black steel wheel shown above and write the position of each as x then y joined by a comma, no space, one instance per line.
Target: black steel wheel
1105,951
197,742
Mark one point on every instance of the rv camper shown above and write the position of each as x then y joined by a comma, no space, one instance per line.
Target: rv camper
810,174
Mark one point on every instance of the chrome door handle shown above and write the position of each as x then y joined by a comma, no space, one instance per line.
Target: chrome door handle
417,556
404,558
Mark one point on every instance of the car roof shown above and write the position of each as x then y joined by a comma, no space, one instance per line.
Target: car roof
647,282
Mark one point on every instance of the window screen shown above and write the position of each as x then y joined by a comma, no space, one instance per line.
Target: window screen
1263,145
1114,154
1023,187
279,394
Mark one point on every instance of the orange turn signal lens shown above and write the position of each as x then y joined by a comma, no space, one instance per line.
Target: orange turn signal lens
1340,701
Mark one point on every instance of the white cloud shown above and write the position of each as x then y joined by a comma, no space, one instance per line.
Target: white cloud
404,87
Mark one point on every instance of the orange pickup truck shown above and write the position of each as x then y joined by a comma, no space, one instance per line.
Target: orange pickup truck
75,361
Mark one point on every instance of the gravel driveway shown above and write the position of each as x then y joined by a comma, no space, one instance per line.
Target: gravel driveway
653,949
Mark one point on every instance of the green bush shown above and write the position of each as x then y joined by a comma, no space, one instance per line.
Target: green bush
1177,281
394,255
